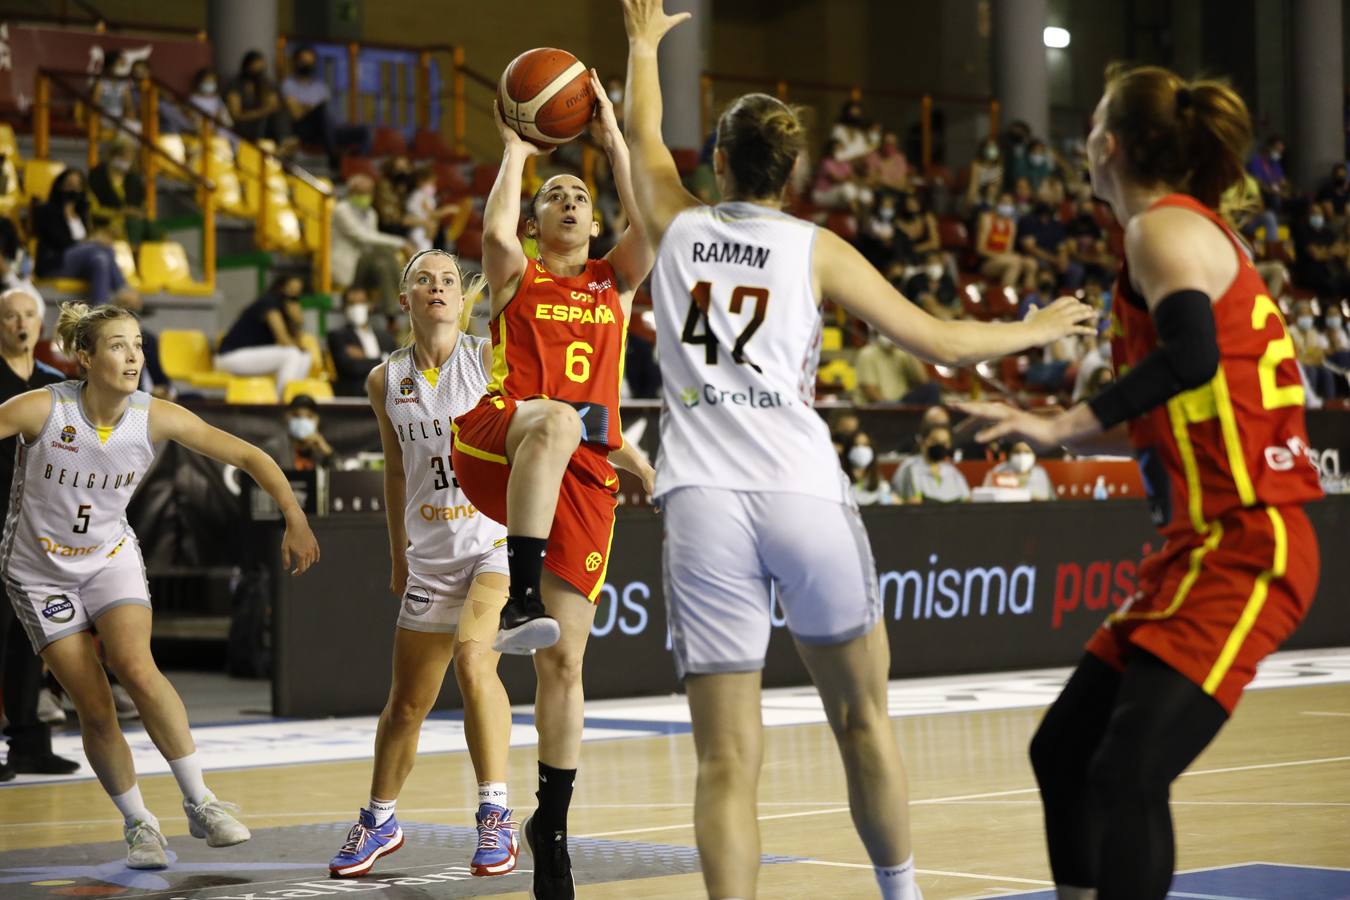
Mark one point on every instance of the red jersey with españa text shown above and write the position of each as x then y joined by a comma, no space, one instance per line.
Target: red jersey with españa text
1238,441
563,338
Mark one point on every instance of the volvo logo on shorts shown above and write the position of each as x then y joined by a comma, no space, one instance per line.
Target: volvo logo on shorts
67,434
416,602
593,561
406,387
58,608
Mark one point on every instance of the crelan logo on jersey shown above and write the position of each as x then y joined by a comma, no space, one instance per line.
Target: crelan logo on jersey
750,396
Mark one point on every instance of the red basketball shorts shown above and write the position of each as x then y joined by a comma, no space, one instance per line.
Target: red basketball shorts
1214,605
583,526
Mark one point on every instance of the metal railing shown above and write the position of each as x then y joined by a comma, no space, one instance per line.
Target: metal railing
786,90
148,138
151,154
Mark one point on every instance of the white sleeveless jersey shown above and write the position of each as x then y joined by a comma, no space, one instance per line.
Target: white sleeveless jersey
445,530
67,508
738,332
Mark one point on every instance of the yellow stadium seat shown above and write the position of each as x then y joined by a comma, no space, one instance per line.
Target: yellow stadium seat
832,338
307,200
9,145
175,148
251,390
319,390
164,267
38,175
281,230
127,263
64,285
12,197
841,373
186,356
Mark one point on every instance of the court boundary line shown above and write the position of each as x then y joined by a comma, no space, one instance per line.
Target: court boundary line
917,871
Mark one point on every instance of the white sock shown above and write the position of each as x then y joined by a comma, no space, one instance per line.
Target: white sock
493,792
382,810
187,771
897,882
132,807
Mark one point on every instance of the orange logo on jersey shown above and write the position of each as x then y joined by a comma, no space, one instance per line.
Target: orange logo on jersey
447,513
406,387
67,434
559,312
56,548
593,561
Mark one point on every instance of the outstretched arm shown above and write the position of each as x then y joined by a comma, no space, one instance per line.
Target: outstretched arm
656,181
25,414
171,422
843,275
632,257
503,257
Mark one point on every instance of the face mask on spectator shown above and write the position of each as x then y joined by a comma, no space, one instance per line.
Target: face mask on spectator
358,314
991,153
1334,322
1006,210
304,68
360,201
1317,220
860,456
122,166
934,272
207,87
938,452
1275,155
886,213
1022,462
1036,159
302,427
1305,322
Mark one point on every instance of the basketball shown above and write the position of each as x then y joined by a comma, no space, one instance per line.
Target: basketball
546,96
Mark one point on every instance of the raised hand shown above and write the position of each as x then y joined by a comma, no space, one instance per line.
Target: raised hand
604,127
646,21
1065,316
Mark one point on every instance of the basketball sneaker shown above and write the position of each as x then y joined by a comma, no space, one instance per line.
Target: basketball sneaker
366,842
145,846
526,627
552,864
498,844
214,820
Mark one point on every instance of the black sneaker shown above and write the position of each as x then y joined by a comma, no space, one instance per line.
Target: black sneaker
526,627
41,764
552,865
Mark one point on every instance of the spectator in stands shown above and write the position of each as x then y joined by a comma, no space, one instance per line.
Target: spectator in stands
112,95
916,231
309,449
1246,212
1024,198
1042,238
933,288
838,186
889,374
357,348
887,167
1039,165
933,417
266,338
996,245
1311,347
1321,254
1042,294
877,238
1097,358
1338,338
362,254
857,136
1269,173
933,479
424,213
392,188
1052,191
254,104
1087,244
1049,374
204,98
1020,470
117,190
1334,194
306,97
986,176
868,488
844,427
15,266
1015,142
69,246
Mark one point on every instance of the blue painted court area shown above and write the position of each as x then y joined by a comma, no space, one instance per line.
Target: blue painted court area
1252,881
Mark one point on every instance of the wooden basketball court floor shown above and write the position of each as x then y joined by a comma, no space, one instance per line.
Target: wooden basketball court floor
1263,814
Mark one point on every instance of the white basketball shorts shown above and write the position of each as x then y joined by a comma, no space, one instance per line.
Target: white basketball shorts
434,602
723,551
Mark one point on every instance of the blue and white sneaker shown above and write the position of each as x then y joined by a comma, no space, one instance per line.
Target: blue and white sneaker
498,841
366,842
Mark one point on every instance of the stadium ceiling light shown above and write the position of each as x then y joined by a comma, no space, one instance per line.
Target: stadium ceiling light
1057,38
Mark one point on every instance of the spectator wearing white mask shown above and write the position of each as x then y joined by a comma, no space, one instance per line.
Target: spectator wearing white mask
869,488
1020,470
357,348
1338,338
1311,347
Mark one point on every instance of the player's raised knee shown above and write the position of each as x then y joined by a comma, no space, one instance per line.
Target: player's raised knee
558,426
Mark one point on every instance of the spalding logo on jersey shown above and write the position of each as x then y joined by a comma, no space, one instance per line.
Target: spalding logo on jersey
67,434
417,602
58,608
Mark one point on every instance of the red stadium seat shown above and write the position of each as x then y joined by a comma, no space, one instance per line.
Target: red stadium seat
843,224
450,180
484,174
470,244
686,160
388,142
953,233
358,165
428,144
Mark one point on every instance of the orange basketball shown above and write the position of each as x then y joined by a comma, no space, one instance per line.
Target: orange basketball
546,96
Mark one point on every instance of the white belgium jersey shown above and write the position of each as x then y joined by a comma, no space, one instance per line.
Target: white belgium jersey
445,530
738,331
68,504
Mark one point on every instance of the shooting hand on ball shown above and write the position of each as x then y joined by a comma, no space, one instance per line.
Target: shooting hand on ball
604,127
510,139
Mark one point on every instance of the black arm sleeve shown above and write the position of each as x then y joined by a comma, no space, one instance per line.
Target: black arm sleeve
1187,357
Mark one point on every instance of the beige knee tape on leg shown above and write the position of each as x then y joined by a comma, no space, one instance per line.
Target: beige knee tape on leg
481,616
